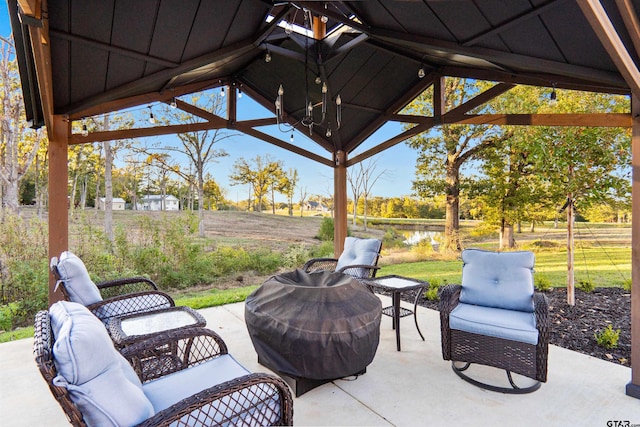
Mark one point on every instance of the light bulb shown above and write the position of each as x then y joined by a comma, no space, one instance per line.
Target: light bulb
328,134
267,57
553,97
222,91
421,72
291,138
85,131
280,90
174,104
318,80
152,119
324,19
338,100
239,92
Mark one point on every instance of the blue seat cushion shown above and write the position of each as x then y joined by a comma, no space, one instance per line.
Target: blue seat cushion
498,279
495,322
359,252
170,389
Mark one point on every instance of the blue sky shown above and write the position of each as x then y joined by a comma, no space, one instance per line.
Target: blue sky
398,162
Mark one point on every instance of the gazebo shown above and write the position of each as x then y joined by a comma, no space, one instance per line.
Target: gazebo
371,58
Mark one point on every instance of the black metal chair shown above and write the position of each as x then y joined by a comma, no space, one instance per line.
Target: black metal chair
495,318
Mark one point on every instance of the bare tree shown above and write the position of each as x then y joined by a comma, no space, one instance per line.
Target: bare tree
199,147
18,147
370,176
354,178
302,198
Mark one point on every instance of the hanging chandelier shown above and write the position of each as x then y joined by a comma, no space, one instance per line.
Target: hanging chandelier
308,119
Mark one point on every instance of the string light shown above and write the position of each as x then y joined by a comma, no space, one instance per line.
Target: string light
85,131
173,104
152,119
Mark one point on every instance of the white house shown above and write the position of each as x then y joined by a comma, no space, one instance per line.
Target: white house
117,203
155,202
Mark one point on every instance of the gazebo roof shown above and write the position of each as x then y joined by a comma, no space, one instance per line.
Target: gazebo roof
112,54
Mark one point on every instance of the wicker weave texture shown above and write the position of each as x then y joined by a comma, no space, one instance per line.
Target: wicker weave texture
525,359
251,400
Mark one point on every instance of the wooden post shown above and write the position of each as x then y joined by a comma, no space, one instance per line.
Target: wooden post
58,196
340,202
633,388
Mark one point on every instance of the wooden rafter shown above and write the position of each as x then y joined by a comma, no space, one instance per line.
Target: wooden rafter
606,32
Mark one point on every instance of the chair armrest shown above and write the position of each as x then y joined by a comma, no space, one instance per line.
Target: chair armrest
355,270
449,298
126,285
173,351
123,305
242,401
320,264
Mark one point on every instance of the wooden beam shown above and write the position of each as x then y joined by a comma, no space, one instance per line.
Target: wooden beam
32,8
147,98
42,62
588,120
606,32
58,196
393,141
480,99
631,21
633,388
242,127
144,132
339,202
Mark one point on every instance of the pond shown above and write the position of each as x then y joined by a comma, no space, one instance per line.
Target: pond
414,237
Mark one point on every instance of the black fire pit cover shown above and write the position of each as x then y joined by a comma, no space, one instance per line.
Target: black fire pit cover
319,325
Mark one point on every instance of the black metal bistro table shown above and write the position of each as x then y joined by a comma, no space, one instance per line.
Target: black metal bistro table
396,285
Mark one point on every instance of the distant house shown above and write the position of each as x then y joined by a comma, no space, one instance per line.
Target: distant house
117,204
316,206
155,202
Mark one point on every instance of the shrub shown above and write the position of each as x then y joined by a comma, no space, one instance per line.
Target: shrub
626,285
433,292
608,338
326,229
295,256
586,286
542,283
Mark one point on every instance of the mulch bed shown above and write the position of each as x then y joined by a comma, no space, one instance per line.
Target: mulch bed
573,327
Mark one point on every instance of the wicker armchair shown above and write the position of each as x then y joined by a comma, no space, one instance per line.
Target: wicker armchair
171,371
359,259
496,319
113,298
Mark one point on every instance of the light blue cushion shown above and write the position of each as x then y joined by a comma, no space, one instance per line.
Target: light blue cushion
495,322
170,389
99,380
359,252
498,279
76,280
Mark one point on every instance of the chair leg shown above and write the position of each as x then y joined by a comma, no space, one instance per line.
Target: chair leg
514,390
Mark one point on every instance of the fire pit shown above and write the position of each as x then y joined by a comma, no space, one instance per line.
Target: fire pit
312,328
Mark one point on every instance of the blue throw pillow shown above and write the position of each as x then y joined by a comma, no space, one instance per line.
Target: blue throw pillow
76,280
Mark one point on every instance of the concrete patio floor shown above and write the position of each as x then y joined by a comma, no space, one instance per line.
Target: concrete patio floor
413,387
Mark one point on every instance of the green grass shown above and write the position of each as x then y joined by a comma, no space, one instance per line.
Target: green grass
603,266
